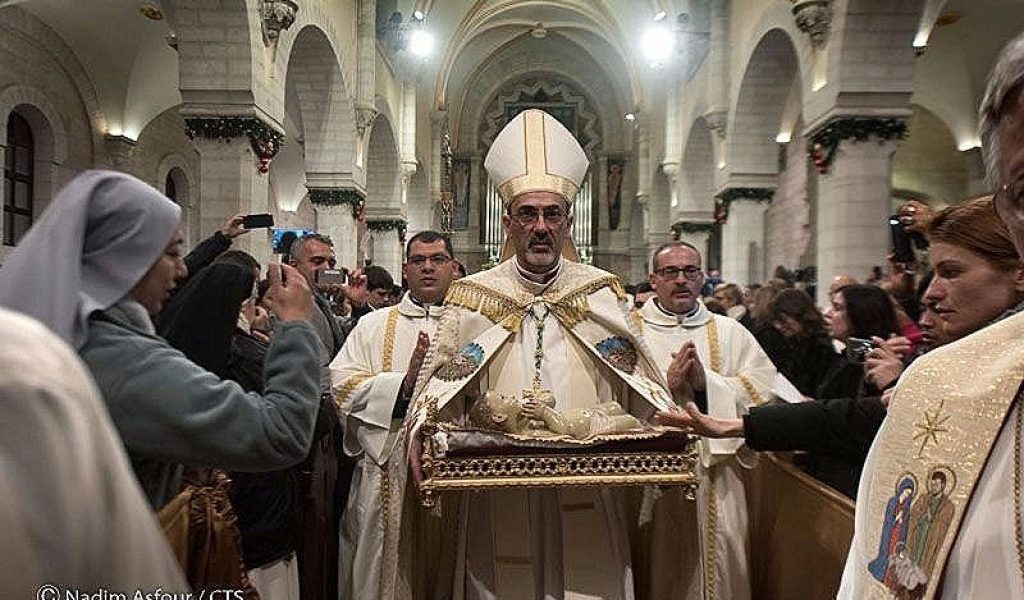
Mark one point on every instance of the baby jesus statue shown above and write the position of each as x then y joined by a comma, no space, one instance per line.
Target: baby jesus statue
537,418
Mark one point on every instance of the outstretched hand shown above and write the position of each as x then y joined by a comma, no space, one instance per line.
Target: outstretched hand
233,228
691,419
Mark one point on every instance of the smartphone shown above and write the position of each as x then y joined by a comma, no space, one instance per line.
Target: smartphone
902,251
857,349
331,277
258,221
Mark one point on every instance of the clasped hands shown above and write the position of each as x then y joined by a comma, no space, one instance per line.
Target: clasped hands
685,379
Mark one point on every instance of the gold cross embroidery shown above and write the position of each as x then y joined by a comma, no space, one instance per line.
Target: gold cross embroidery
930,427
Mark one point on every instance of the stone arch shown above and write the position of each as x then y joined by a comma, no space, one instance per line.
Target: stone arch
49,135
52,137
23,23
383,171
697,180
507,66
768,82
176,168
927,164
315,80
529,88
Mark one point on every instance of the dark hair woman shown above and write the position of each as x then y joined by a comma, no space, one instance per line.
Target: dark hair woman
857,311
807,353
203,322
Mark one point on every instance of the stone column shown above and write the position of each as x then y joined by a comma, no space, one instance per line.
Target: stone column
366,67
743,234
640,250
853,208
336,216
388,241
231,184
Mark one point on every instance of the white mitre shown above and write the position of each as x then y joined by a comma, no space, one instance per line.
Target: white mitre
534,152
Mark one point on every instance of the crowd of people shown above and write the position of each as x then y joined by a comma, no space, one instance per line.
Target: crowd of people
206,422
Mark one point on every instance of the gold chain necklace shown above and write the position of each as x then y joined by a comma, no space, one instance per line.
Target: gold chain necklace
1018,535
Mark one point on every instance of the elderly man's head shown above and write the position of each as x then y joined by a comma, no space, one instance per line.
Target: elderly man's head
1002,137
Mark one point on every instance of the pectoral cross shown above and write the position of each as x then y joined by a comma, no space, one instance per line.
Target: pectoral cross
540,396
536,393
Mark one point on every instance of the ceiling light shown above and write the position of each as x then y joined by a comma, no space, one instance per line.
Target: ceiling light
661,15
630,116
418,15
421,43
658,43
783,138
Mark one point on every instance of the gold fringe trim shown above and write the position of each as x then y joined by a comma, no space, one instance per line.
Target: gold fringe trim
573,308
637,319
350,386
491,304
715,346
751,391
389,338
711,541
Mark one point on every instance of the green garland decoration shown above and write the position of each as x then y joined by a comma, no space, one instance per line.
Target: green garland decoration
265,141
398,225
729,195
681,227
337,197
822,146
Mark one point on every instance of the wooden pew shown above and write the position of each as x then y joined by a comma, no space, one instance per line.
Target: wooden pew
800,532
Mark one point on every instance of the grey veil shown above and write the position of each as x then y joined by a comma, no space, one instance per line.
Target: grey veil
95,241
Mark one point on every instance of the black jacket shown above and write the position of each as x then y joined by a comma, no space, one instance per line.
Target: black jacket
837,433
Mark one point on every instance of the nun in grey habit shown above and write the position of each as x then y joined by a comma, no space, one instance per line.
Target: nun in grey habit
78,271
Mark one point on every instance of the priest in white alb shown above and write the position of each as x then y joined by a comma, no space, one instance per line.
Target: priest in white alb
541,330
373,378
727,372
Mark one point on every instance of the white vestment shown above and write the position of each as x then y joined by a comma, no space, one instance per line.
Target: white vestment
550,544
739,374
71,512
366,377
943,420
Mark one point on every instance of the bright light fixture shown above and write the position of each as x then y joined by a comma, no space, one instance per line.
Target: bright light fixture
661,15
658,43
783,138
418,15
630,116
966,145
421,43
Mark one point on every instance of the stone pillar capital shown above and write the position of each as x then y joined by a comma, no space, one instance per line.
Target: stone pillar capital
328,197
264,139
823,142
814,17
717,122
276,16
120,150
365,116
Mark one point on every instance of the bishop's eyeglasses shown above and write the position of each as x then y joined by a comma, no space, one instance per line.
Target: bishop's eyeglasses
528,216
691,273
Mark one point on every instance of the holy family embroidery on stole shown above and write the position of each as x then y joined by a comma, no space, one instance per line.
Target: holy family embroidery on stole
931,453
